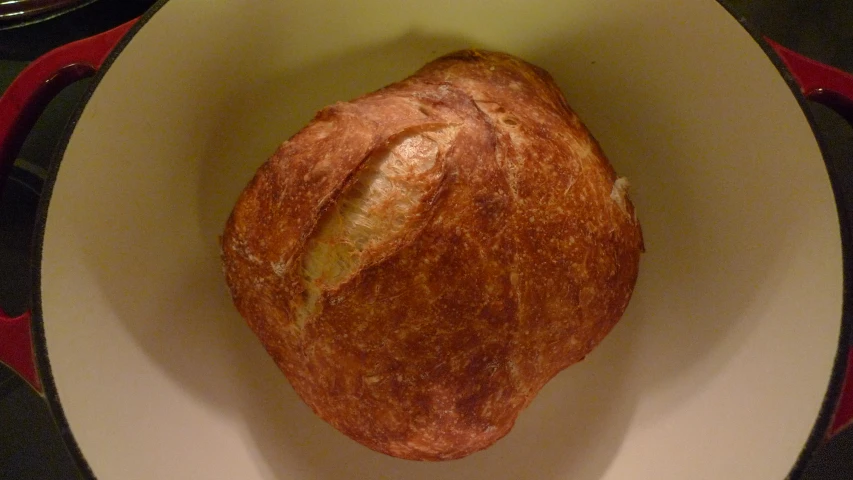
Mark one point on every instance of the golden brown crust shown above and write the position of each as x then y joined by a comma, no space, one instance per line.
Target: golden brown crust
519,254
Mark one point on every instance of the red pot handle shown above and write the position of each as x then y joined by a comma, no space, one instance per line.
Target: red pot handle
843,417
833,88
20,106
16,347
818,82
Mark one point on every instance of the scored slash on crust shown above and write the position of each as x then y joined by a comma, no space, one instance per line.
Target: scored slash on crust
374,214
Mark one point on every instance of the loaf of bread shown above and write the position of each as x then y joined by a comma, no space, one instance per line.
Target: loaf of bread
421,260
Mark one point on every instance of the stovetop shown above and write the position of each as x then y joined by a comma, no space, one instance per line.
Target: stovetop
30,444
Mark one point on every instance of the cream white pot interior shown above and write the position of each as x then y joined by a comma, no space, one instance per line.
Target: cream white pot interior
717,370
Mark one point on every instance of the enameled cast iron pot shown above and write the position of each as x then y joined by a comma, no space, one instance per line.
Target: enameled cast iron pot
728,364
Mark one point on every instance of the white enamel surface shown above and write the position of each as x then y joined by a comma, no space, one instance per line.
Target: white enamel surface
716,371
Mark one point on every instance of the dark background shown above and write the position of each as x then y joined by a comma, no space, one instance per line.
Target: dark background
30,444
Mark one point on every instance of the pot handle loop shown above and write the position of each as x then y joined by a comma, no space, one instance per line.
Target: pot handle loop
818,82
20,106
834,88
29,94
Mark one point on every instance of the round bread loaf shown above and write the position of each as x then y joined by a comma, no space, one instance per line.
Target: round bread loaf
421,260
